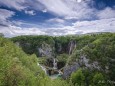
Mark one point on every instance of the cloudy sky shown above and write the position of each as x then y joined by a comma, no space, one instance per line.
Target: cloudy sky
56,17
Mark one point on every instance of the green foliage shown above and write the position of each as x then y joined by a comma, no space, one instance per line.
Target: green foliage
100,48
62,58
16,68
96,47
98,80
42,60
30,44
78,78
19,69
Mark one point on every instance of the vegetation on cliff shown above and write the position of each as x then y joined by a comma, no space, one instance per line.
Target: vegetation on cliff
94,53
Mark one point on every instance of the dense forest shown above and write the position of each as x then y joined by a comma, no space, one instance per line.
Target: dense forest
83,60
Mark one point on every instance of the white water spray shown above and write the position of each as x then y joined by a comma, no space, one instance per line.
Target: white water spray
43,68
54,64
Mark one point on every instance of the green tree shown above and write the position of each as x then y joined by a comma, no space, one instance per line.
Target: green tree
78,78
1,35
98,80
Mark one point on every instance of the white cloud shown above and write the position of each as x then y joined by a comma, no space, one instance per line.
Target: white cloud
96,25
64,8
106,13
30,12
79,27
16,4
5,14
56,20
57,6
75,9
83,27
26,31
79,1
4,17
68,8
16,31
44,10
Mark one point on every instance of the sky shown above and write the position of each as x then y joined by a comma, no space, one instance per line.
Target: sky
56,17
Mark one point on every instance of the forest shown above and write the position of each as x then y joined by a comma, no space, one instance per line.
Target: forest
83,60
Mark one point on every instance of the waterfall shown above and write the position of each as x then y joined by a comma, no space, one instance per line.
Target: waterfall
54,64
70,49
43,68
72,45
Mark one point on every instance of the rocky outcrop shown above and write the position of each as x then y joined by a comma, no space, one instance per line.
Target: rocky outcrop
82,62
69,69
66,48
46,50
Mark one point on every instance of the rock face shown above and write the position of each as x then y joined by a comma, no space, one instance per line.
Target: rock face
69,69
82,62
66,48
92,65
48,51
45,51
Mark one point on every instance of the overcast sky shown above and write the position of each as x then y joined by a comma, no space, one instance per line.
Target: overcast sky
56,17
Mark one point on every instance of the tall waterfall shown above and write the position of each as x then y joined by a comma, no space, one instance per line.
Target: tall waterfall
72,45
54,64
70,49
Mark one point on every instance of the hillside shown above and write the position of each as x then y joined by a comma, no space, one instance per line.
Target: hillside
67,60
20,69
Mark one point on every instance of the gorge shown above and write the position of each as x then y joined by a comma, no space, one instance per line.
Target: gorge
52,66
84,60
65,54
